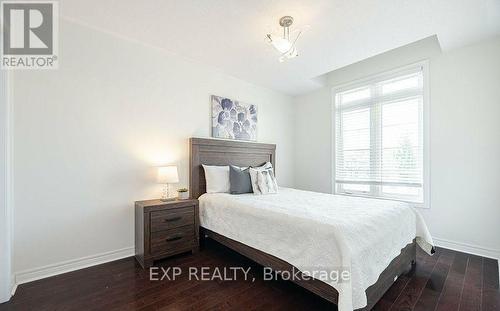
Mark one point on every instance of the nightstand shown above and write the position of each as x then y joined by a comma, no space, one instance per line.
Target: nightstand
163,229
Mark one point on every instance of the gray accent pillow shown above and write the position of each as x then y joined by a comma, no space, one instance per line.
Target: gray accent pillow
239,180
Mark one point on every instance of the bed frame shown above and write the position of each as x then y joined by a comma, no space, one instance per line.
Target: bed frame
225,152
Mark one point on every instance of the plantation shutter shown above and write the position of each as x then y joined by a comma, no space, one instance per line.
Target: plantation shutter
379,136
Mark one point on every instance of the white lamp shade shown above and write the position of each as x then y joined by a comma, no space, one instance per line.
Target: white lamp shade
168,175
281,44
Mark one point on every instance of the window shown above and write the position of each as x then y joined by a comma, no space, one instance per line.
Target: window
379,136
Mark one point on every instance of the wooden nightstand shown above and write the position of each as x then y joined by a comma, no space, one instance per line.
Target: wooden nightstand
163,229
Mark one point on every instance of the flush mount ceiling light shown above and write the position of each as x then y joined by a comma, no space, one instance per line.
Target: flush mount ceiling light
283,44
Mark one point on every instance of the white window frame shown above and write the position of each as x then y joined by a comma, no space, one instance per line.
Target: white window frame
425,122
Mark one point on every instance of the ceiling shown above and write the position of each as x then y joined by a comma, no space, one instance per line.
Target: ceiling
230,34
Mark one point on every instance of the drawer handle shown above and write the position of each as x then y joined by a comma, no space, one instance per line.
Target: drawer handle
173,219
175,238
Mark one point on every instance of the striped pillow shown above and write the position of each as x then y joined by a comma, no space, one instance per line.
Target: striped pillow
263,179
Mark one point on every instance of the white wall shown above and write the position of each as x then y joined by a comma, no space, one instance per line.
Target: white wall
464,146
313,131
88,134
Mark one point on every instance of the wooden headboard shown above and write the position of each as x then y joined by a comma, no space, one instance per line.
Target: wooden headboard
223,152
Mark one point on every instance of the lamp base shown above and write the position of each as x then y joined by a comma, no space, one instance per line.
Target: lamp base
165,196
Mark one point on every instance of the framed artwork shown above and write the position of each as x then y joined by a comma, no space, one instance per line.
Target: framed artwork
232,119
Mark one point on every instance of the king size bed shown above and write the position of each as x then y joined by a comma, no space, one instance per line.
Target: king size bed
320,235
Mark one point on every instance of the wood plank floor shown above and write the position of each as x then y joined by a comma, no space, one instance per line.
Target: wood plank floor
447,281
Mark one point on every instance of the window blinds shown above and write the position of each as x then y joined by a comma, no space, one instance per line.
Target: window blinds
379,136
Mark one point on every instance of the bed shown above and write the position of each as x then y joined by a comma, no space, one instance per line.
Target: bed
374,240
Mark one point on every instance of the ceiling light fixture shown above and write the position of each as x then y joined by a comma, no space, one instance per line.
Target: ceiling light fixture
284,45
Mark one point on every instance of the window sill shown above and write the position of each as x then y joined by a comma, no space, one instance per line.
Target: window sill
412,204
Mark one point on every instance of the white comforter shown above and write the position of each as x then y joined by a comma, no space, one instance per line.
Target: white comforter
313,230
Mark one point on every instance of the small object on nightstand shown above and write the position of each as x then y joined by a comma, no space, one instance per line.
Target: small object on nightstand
163,229
167,175
182,194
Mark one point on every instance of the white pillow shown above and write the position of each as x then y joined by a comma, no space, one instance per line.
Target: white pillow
263,179
217,178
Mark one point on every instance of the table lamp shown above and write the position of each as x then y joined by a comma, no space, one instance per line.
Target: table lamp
167,175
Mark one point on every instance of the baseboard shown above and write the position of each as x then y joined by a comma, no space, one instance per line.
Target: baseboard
468,248
71,265
13,286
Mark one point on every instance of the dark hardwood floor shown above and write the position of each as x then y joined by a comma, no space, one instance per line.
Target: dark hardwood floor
447,281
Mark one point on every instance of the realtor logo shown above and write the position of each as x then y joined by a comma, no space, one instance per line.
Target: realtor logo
29,34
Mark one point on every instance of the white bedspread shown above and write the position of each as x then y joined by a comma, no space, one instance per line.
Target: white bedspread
314,230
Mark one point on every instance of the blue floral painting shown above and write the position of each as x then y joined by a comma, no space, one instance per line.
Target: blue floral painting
232,119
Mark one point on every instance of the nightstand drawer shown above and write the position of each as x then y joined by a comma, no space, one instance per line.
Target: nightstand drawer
169,219
173,240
